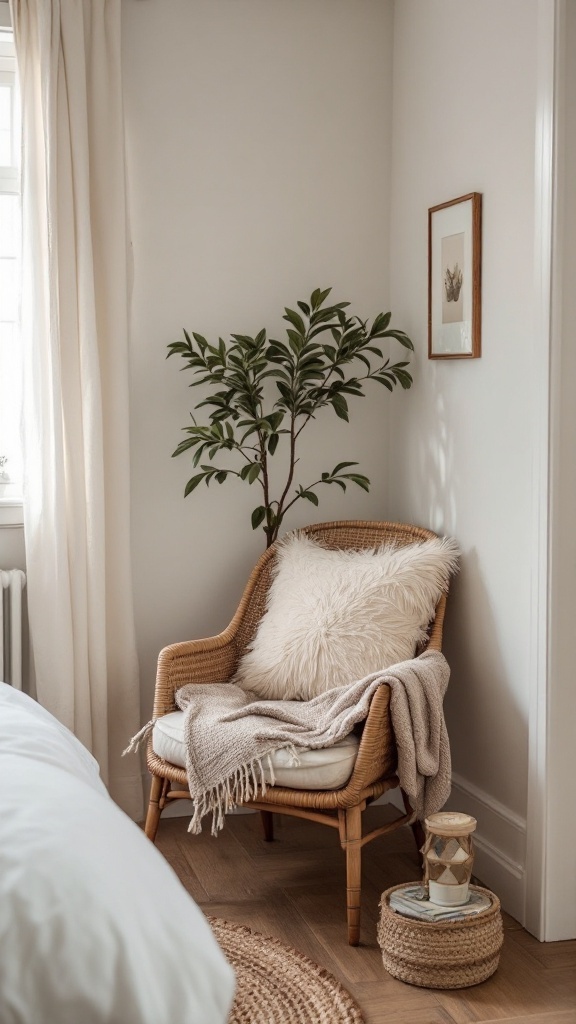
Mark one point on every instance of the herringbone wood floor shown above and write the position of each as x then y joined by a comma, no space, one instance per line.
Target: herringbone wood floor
294,888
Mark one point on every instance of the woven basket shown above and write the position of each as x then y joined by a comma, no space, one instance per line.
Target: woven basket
452,954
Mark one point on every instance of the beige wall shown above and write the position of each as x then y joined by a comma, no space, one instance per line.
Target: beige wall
464,120
259,136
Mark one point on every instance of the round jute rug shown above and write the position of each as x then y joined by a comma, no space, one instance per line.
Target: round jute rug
276,984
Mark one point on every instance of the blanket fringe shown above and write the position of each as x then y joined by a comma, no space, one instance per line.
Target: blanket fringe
140,737
240,787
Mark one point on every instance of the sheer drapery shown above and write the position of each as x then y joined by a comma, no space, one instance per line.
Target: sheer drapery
75,336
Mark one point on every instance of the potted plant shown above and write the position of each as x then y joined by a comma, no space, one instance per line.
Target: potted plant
327,358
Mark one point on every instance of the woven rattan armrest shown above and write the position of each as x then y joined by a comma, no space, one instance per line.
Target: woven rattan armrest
212,660
376,758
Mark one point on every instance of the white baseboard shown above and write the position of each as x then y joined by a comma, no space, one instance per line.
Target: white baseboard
499,843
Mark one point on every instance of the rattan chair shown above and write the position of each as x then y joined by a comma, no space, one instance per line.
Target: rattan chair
215,660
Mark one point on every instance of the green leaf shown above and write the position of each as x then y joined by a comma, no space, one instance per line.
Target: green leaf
176,348
244,340
273,443
221,476
340,406
185,445
315,298
340,466
364,360
276,350
253,472
193,483
258,516
278,374
294,318
380,323
198,455
295,342
327,314
401,337
304,307
357,478
310,496
275,419
404,378
251,430
320,330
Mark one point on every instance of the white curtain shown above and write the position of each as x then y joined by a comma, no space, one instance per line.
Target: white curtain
75,336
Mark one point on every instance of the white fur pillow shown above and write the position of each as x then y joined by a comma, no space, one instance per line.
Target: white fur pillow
334,616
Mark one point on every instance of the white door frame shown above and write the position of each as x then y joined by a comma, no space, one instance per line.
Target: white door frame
550,911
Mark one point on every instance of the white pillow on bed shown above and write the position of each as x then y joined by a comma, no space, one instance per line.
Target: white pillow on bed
95,927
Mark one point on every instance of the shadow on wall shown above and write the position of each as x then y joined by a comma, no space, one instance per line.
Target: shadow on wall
436,468
424,464
487,725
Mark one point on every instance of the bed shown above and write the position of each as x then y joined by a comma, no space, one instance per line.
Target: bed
82,940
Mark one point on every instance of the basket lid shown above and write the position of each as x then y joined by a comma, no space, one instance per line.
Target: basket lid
450,823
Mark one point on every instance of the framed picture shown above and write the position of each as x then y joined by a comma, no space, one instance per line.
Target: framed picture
454,278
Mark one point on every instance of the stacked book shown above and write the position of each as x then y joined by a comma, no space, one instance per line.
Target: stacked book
412,901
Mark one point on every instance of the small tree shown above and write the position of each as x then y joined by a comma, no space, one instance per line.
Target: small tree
309,371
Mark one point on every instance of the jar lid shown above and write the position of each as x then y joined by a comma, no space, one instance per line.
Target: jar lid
450,823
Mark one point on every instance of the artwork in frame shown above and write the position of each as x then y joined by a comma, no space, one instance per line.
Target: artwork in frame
454,278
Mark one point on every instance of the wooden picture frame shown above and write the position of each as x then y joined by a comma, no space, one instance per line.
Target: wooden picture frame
454,278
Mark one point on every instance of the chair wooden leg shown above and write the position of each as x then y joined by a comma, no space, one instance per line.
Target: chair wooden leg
353,872
416,826
267,819
155,806
419,834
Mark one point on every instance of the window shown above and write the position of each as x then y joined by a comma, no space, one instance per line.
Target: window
10,351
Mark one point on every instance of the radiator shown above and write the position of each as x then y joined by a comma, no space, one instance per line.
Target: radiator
12,585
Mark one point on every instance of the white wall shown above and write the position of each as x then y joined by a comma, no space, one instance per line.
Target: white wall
464,120
258,136
557,895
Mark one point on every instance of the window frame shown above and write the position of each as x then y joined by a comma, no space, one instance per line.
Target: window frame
11,506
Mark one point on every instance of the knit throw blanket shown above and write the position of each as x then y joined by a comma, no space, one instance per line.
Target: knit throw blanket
229,739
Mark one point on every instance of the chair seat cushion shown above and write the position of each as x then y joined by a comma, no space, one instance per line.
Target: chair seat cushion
329,768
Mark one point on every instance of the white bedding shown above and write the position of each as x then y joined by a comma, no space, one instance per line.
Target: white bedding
95,927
